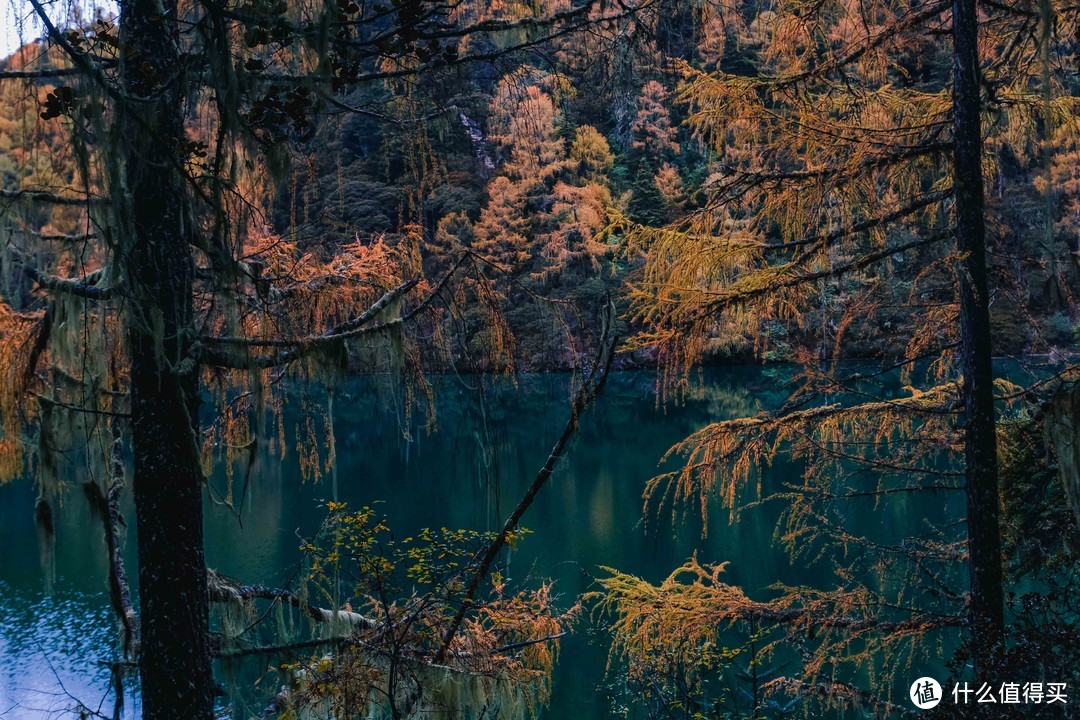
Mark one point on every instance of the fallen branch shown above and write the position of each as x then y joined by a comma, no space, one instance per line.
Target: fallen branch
233,653
343,640
223,590
590,389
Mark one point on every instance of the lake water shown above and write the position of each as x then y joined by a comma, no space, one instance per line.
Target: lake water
56,626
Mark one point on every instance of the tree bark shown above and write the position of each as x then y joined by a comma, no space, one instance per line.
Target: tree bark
152,206
986,612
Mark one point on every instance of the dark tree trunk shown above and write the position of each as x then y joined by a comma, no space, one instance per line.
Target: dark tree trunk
1054,297
980,442
155,228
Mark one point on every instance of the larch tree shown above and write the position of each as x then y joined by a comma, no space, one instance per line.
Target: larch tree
653,131
548,205
847,180
165,285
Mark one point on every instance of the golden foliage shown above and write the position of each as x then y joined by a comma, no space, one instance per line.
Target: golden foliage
18,332
548,202
591,153
407,593
675,634
833,151
831,172
652,127
723,458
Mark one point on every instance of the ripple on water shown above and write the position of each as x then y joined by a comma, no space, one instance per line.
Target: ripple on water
51,645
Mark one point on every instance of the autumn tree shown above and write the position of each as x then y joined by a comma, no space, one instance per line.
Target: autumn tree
844,158
655,144
547,206
549,201
176,288
654,134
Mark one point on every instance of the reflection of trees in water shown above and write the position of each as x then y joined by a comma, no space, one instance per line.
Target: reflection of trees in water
728,399
491,446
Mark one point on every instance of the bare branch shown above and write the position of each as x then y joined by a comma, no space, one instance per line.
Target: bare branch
84,287
590,389
224,590
299,347
49,197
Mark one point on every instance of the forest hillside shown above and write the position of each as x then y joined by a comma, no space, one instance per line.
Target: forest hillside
537,161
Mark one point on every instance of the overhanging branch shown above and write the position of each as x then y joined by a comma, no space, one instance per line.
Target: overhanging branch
50,197
590,389
787,279
84,287
296,348
107,504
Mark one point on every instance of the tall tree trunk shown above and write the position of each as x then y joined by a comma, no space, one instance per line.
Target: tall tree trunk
1053,294
156,226
980,442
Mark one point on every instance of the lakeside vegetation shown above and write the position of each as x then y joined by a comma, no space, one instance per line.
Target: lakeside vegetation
205,204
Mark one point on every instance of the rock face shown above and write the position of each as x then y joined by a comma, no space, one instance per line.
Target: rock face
476,136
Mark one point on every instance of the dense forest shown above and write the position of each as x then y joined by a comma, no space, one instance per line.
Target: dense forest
218,215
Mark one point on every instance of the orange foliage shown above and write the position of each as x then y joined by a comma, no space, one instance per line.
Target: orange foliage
653,131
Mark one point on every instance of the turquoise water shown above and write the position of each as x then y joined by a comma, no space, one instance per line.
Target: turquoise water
56,626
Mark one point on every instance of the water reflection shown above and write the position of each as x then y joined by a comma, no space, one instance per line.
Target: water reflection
472,469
